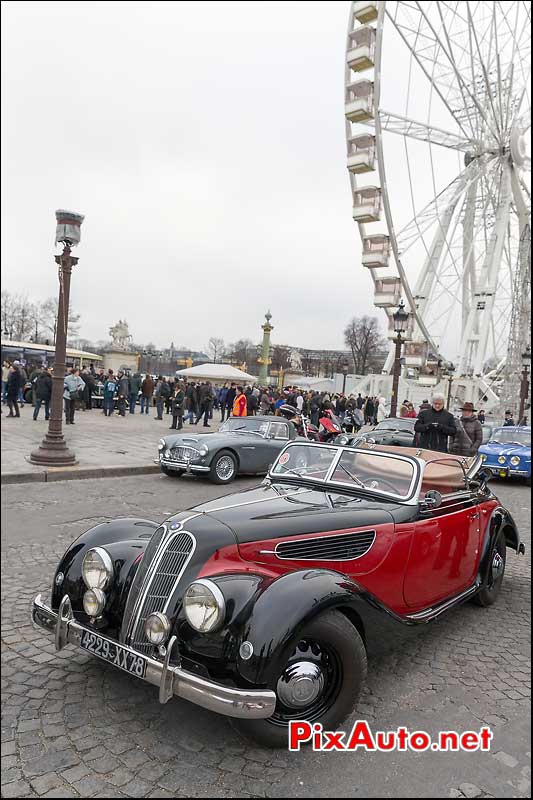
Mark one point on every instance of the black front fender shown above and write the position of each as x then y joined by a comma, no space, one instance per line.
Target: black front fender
280,613
125,540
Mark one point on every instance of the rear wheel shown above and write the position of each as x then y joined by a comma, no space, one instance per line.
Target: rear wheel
496,569
223,467
320,682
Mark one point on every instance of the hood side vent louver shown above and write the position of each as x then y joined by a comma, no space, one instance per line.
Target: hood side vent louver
342,547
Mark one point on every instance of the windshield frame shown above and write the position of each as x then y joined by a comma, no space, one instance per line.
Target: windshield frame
511,432
411,498
396,425
247,429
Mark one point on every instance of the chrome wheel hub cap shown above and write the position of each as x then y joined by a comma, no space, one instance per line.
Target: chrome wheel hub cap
225,468
300,684
498,565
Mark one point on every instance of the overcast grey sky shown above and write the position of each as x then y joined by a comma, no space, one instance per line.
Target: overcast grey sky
204,142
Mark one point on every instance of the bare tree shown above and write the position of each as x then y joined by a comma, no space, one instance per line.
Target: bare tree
215,348
244,351
49,311
8,314
281,357
363,338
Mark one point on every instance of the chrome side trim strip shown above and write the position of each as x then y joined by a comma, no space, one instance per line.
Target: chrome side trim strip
253,502
435,611
232,702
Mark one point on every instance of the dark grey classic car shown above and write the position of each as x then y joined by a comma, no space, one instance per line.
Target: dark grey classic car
241,445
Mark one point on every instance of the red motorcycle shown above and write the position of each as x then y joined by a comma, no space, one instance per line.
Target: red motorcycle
329,426
300,421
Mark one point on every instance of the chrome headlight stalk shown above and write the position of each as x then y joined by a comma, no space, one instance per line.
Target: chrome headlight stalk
97,568
204,606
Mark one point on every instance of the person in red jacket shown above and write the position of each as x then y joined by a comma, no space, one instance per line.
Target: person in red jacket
240,404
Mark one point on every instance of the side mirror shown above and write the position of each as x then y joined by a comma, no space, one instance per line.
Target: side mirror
432,499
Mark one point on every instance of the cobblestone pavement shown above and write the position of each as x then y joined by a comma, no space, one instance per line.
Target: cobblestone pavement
97,441
73,727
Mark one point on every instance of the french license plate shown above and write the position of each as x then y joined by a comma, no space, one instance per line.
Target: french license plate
114,653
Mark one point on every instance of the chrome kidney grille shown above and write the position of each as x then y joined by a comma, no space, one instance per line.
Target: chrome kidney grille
343,547
184,453
161,575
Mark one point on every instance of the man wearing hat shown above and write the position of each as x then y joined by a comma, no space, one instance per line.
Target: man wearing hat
469,435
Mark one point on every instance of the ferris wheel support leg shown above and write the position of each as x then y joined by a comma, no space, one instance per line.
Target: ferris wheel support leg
491,268
475,335
469,256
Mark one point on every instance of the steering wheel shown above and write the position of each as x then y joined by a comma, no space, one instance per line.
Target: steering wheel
381,484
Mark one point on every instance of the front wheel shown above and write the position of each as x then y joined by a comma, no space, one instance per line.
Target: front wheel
223,467
320,682
494,577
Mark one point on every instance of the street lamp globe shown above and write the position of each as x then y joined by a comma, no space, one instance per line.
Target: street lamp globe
401,319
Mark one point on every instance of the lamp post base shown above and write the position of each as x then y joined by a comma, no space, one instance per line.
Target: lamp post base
53,452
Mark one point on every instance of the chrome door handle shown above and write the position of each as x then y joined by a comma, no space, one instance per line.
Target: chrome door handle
475,516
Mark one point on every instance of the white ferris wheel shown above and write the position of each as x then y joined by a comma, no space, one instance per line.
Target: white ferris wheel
438,110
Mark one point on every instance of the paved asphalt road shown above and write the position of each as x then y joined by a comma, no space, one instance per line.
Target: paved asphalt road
73,727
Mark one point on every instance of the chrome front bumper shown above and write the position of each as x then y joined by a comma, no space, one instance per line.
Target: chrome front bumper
185,465
252,704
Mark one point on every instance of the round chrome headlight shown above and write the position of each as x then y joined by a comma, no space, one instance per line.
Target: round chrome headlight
501,460
515,461
94,602
157,627
204,605
483,457
204,450
161,444
97,568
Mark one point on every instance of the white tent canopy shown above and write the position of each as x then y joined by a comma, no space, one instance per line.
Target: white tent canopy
216,372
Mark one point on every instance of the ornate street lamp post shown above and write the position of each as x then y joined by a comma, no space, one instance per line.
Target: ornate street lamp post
345,369
53,451
524,385
451,370
401,321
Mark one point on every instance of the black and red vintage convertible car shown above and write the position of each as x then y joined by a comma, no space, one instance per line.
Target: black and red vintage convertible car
262,605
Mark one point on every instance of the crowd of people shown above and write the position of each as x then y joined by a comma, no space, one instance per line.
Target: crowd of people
194,403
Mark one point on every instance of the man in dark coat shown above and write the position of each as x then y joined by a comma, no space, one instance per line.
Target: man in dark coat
135,388
43,393
14,385
230,399
147,389
123,392
435,425
205,398
508,421
178,406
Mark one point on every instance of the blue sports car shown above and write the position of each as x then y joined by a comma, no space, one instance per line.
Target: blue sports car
508,452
